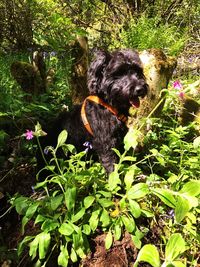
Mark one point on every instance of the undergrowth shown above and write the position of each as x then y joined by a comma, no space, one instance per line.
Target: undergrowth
157,187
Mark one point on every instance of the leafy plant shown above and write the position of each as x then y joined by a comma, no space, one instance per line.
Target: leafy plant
146,33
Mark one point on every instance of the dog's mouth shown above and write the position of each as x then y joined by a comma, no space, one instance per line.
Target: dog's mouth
135,102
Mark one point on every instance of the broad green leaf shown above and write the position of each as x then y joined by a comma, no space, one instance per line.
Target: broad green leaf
80,253
44,241
129,223
56,202
77,240
66,229
117,231
105,203
32,209
129,178
49,225
175,247
136,241
73,255
196,142
40,218
165,196
86,229
78,215
113,181
33,247
178,264
62,137
24,222
148,253
70,197
182,208
134,208
63,256
138,191
22,244
131,139
191,188
147,213
94,220
21,205
108,240
105,218
88,201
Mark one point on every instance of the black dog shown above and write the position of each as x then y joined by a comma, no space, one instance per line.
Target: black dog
116,82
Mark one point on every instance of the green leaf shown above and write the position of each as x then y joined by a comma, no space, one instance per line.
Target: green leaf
105,203
88,201
62,137
77,240
86,229
117,231
63,256
49,225
56,202
70,197
66,229
131,139
175,247
23,243
44,241
148,253
94,220
129,223
73,255
182,208
33,247
138,191
108,240
129,178
196,142
21,205
40,218
113,180
24,222
165,196
136,241
105,218
191,188
178,264
78,215
32,209
134,208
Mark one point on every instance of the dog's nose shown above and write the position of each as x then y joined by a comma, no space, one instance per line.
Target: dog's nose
141,90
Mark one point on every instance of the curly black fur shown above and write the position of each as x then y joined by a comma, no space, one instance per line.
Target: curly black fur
118,79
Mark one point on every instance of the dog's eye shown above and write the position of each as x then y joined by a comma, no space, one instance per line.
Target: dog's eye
122,70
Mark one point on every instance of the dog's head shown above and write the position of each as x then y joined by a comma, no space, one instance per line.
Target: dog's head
117,78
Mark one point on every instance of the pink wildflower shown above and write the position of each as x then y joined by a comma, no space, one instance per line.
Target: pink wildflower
177,85
181,94
29,134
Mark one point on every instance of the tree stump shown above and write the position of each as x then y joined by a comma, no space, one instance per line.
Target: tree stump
158,69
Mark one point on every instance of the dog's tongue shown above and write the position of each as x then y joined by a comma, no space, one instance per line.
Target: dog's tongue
135,103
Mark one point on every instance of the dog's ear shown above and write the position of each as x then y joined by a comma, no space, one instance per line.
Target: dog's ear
96,71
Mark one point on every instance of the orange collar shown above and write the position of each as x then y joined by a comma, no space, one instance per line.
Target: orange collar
99,101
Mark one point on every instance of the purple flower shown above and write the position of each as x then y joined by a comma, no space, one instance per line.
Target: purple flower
29,135
88,146
177,85
46,150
